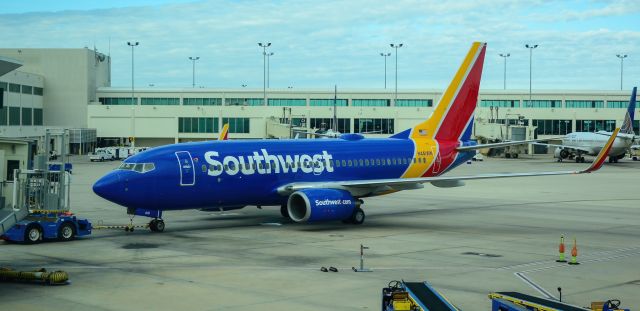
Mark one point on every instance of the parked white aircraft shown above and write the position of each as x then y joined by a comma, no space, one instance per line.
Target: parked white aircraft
577,144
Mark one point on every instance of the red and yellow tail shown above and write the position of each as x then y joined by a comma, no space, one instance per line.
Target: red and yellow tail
224,134
452,117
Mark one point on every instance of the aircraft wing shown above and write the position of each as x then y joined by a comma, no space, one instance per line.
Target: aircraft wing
361,188
570,148
504,144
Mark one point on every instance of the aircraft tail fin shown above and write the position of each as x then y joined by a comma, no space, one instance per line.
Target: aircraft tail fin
452,117
627,125
224,133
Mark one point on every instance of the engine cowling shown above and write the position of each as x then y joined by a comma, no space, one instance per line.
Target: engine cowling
315,205
561,153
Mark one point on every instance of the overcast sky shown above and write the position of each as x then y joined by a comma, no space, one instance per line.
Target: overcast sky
317,44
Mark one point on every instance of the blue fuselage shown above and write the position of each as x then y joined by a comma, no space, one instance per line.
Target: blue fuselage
227,174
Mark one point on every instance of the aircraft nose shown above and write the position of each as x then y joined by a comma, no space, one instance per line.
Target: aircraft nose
108,186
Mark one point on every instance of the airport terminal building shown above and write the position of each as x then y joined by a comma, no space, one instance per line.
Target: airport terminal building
72,88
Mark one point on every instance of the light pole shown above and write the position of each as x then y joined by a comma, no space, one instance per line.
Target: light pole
133,101
268,68
264,47
385,55
530,47
193,60
505,68
396,46
621,57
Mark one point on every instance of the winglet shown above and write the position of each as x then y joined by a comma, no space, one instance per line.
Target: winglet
224,134
602,155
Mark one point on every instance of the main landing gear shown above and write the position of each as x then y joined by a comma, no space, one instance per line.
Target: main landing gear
357,218
579,159
156,225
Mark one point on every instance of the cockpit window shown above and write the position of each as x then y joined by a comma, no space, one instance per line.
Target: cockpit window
137,167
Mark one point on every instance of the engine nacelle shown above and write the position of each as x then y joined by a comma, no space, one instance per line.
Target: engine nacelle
561,153
315,205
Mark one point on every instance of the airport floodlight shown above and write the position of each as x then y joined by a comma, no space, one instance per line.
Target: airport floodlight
193,75
264,47
530,47
268,67
133,99
385,55
396,46
621,57
505,55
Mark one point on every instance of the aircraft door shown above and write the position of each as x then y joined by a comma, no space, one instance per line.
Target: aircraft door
187,173
437,162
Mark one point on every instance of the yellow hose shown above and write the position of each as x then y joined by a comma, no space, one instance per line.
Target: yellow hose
41,275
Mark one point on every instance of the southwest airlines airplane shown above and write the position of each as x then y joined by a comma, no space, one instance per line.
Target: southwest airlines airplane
312,180
577,144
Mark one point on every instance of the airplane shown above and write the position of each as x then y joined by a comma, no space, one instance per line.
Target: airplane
311,180
578,144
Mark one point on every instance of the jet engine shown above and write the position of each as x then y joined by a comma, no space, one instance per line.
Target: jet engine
315,205
561,153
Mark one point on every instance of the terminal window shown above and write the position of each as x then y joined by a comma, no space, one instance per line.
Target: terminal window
15,88
244,101
3,116
14,115
371,102
237,125
595,125
553,127
414,103
287,102
499,103
542,104
584,104
116,100
160,101
202,101
344,124
327,102
37,116
197,125
26,116
373,126
618,104
38,91
27,89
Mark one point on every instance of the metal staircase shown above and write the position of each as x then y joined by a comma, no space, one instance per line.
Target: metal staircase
8,215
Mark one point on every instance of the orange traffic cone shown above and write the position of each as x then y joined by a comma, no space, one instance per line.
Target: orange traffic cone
574,253
561,250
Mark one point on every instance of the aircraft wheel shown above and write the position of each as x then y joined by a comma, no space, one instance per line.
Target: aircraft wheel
67,232
284,211
507,155
577,159
156,225
33,234
357,218
515,155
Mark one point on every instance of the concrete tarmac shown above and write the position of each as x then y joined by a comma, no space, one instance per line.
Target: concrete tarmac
491,235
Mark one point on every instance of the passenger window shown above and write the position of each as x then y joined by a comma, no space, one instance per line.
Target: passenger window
377,161
393,161
344,163
261,165
226,167
337,163
366,162
360,162
349,163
